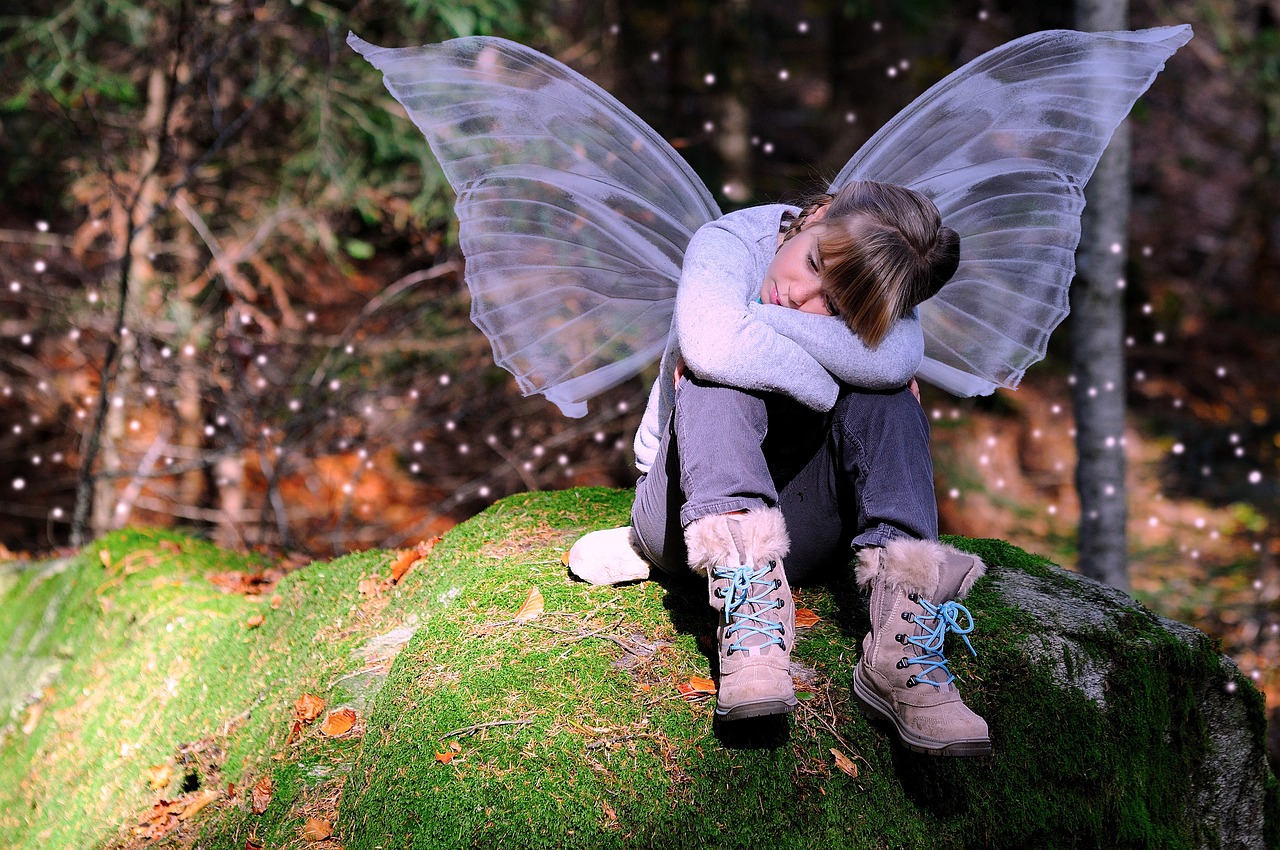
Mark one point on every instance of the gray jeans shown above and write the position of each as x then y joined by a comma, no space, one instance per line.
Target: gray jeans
859,475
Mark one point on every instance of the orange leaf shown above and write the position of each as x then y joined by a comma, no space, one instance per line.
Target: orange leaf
198,801
845,763
294,732
308,707
338,722
697,686
805,618
564,559
403,563
317,829
260,796
159,775
531,608
275,602
252,843
445,757
255,621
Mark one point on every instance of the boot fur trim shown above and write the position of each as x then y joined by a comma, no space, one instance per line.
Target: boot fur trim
913,565
756,537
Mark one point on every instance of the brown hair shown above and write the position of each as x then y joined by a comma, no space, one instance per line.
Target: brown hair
882,251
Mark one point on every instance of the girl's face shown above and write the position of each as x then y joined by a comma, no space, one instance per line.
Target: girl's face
794,277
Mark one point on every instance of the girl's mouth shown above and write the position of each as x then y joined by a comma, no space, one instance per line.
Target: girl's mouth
777,301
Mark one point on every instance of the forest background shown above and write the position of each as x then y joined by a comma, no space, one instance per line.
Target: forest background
216,211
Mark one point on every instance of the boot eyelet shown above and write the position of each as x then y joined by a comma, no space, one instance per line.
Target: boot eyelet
777,583
783,646
780,604
908,616
913,596
719,593
900,638
903,663
729,651
911,681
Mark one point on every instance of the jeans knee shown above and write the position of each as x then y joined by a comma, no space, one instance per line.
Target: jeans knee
867,413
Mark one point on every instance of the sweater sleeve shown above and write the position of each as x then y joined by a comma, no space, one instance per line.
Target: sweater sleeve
722,340
832,344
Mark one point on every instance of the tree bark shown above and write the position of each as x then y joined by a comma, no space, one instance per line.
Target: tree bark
1097,343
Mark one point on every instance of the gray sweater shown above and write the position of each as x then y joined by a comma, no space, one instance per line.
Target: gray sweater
725,335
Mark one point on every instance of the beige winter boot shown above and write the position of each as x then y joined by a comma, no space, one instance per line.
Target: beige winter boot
903,676
741,556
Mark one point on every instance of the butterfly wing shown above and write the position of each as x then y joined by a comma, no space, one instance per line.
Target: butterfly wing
1004,147
573,214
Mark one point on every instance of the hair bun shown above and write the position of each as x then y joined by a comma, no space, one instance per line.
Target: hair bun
944,259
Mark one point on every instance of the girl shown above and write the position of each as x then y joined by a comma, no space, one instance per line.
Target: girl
789,435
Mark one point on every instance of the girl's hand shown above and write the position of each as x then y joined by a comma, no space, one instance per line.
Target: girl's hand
913,386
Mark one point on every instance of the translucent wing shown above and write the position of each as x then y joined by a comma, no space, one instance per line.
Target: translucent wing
574,214
1004,147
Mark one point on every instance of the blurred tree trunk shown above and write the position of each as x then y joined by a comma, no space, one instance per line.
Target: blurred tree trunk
1097,343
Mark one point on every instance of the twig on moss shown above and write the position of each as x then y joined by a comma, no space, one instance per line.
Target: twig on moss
476,727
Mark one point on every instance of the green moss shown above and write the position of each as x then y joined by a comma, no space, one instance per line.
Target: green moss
493,733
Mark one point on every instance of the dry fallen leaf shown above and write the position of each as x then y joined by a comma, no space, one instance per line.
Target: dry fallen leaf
317,829
198,801
260,796
370,586
845,763
338,722
33,718
531,608
105,557
403,563
252,843
255,621
445,757
697,686
159,775
609,812
805,618
295,731
275,602
308,707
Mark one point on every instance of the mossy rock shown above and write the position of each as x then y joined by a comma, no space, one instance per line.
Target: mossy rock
1111,726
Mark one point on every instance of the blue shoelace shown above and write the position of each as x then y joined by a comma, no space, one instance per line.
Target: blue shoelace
945,618
741,623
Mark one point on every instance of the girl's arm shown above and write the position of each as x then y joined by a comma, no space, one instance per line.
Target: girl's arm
892,363
720,337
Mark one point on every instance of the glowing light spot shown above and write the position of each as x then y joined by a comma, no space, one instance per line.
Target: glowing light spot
14,286
1139,375
19,484
983,14
891,72
709,79
784,74
1255,477
450,425
1178,448
295,405
1152,521
655,56
93,297
984,460
463,449
876,26
418,445
1146,309
335,384
708,127
599,436
39,265
1053,510
26,339
1158,337
1056,409
802,27
188,350
563,460
767,147
209,430
1109,490
56,513
42,226
1115,247
539,451
954,493
1129,342
850,117
623,407
415,468
444,380
311,316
